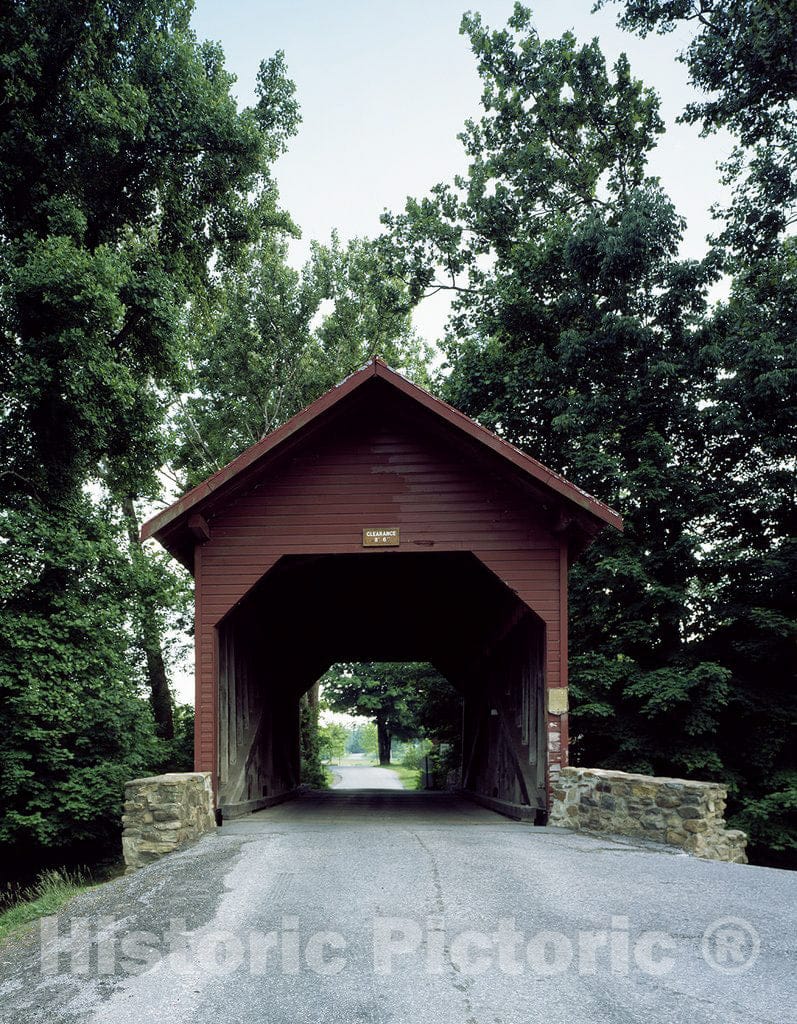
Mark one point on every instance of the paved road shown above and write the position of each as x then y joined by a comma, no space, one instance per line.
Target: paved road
398,907
364,776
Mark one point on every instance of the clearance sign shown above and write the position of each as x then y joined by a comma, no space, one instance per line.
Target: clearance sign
381,537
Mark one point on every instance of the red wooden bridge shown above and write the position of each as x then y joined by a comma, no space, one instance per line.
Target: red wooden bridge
380,524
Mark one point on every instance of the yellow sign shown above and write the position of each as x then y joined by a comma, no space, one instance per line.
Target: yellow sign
557,700
384,537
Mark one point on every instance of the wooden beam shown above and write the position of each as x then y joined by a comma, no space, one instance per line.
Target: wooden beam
199,528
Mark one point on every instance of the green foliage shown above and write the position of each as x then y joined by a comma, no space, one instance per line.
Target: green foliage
125,166
372,690
178,753
126,173
73,726
312,770
574,344
769,820
276,339
742,58
247,371
578,334
143,278
415,753
363,739
435,762
162,595
389,692
405,699
332,741
364,312
48,894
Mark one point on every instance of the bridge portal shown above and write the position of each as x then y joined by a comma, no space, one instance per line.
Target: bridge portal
380,524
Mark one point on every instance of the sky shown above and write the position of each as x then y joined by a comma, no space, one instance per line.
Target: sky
385,86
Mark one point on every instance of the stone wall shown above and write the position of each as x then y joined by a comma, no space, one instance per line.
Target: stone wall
164,812
675,811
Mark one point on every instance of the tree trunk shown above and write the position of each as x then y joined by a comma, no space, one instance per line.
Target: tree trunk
149,633
384,739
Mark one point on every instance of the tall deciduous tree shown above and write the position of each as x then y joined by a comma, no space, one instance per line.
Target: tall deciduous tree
332,741
573,335
390,693
126,169
742,61
125,166
278,338
72,730
578,333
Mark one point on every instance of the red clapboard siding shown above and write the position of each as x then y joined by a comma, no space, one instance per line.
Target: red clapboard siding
319,503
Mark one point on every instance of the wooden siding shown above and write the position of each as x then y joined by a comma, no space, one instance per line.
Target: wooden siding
257,720
504,739
383,470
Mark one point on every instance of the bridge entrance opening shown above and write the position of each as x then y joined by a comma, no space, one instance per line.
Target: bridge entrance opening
309,612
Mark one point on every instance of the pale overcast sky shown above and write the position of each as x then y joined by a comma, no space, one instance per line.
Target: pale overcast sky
384,87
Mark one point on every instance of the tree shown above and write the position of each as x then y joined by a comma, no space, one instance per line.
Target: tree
391,693
742,60
369,314
126,167
247,370
332,741
363,739
312,770
72,729
277,339
126,171
574,335
579,334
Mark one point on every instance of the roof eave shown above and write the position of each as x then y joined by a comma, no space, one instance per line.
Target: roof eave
163,525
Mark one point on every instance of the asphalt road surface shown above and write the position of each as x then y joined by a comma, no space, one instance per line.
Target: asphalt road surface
364,776
385,906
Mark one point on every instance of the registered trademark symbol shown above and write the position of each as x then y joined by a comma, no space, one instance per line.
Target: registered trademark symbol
730,945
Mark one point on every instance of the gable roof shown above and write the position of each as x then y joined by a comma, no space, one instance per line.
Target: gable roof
165,525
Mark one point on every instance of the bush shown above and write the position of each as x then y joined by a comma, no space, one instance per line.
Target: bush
415,753
74,724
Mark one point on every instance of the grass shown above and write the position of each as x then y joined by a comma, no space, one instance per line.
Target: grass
50,891
411,777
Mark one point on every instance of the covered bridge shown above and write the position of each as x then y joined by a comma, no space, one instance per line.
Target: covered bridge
380,524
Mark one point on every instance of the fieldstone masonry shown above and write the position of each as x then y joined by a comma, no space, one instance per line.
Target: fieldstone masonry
164,812
675,811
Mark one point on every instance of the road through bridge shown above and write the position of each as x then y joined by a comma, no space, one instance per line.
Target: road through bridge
389,907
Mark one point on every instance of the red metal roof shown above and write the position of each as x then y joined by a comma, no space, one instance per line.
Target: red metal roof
192,501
